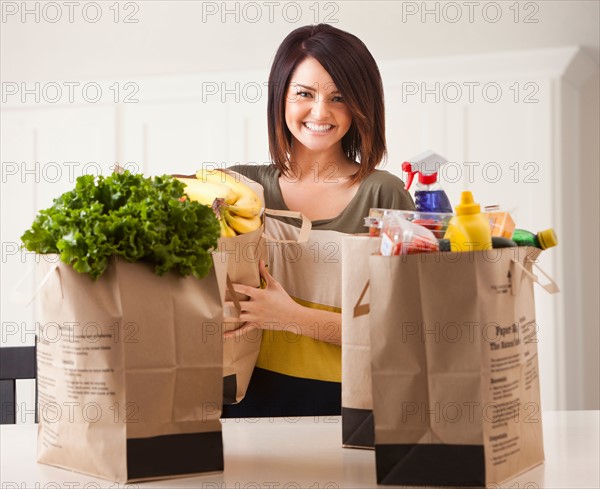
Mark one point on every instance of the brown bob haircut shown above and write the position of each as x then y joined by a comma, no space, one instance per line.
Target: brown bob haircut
355,74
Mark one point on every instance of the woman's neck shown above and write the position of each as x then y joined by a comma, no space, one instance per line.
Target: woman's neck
311,164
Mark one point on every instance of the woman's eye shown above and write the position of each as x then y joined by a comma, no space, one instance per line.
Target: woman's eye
337,98
303,94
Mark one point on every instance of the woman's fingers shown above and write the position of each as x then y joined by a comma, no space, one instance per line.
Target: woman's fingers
245,289
230,314
245,306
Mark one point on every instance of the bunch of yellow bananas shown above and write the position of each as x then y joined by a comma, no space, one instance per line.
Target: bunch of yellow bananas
236,205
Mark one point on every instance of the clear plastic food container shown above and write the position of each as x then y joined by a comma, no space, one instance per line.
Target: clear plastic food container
436,222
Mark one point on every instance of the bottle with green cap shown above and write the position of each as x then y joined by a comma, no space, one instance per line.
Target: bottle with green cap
469,230
544,239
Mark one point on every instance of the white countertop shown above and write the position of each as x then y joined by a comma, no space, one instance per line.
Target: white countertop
294,453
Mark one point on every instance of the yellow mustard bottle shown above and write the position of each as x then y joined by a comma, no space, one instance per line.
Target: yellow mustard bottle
469,230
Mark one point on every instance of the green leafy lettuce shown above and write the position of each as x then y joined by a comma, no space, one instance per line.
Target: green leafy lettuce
140,219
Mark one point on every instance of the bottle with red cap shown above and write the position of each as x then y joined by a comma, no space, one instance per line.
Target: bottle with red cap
429,195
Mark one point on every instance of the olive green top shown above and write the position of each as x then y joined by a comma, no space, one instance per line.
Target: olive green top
380,189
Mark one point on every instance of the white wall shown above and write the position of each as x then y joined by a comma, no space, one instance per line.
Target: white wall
174,37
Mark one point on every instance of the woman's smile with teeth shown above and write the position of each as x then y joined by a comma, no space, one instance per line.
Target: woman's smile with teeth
317,127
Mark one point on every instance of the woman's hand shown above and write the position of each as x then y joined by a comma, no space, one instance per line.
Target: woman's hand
268,308
272,308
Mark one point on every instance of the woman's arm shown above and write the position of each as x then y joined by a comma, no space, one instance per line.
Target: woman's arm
273,308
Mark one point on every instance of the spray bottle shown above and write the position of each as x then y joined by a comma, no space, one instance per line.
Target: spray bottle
429,195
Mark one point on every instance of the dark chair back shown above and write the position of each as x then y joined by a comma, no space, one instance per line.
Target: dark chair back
16,362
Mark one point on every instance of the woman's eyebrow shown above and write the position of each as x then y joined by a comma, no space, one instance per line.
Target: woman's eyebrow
310,88
303,86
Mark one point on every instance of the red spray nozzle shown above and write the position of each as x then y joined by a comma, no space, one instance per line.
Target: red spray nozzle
407,168
426,164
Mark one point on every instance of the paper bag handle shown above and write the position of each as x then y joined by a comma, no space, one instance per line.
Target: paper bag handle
19,297
359,308
551,286
304,229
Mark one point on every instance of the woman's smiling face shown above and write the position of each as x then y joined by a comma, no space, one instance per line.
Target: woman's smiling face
315,112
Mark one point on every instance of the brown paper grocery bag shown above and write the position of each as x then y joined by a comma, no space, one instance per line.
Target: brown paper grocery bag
240,255
357,401
130,372
456,394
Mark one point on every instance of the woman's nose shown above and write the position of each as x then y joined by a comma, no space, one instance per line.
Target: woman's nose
320,108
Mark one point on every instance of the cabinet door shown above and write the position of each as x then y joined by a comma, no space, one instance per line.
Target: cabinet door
247,128
412,126
43,152
18,208
174,136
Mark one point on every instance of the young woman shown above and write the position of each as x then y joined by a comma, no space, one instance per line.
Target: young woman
326,128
